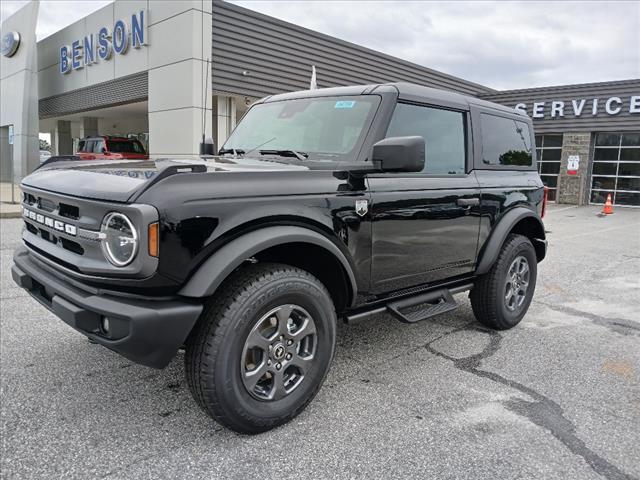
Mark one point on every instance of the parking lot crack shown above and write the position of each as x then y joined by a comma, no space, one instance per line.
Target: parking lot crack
542,411
616,325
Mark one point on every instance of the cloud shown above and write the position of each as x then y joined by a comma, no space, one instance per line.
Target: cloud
54,14
499,44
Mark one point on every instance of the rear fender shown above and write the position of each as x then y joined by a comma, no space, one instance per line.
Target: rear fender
507,224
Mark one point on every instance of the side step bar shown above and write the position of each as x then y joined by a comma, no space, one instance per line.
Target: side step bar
421,307
413,308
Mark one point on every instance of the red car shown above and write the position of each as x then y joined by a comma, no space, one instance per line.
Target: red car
110,148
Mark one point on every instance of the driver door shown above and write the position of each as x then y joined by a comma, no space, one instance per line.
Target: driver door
425,225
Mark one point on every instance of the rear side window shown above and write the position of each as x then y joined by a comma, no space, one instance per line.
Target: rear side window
125,146
443,132
505,142
98,146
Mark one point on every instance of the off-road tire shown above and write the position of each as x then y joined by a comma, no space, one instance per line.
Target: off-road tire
214,348
487,296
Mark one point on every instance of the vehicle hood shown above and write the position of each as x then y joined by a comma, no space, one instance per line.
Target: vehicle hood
119,181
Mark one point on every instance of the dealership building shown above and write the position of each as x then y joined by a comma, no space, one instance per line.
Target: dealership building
166,72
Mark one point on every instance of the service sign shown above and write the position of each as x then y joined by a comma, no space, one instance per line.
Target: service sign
581,107
104,43
573,164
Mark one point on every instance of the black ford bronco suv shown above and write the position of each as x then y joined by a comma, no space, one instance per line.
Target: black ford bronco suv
322,205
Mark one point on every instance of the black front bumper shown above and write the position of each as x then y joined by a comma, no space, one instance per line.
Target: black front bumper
145,331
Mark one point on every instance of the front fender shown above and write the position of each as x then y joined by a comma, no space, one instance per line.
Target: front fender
218,267
491,249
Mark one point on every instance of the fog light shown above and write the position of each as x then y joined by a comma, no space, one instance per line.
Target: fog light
104,324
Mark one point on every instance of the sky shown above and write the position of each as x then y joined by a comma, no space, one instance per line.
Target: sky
503,45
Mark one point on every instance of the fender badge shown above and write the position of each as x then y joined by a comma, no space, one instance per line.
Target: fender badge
362,207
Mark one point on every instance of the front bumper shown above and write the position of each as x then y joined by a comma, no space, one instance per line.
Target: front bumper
148,332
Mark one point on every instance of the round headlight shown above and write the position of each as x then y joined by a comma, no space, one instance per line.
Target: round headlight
120,239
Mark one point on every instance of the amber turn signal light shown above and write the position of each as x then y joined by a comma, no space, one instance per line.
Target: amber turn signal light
154,239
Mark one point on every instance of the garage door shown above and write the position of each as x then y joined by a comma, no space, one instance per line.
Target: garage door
616,168
549,150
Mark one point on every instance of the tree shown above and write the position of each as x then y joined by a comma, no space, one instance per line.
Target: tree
44,145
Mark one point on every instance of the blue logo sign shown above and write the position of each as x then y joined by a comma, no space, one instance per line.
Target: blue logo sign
10,44
101,46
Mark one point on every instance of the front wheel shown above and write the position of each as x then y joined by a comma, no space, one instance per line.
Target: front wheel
262,347
501,297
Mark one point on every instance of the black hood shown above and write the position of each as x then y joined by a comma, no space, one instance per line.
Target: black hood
119,181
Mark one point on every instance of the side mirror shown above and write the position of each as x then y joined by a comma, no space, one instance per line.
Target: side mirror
399,154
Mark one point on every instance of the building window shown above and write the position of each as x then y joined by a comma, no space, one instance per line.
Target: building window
549,150
616,168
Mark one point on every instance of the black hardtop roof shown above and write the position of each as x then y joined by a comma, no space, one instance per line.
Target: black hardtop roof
405,91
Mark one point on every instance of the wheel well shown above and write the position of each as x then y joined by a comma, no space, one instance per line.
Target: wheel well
532,229
319,262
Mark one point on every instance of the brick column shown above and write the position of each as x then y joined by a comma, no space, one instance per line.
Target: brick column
572,188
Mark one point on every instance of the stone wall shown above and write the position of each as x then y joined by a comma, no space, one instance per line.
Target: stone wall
573,189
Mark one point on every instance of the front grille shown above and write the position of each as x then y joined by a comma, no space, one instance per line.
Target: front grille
52,258
69,211
65,230
46,205
56,221
72,246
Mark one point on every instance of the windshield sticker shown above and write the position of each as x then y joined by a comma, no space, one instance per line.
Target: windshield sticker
345,104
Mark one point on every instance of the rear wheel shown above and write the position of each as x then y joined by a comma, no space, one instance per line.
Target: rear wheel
502,296
262,347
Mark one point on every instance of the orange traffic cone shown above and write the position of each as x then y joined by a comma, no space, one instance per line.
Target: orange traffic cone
608,206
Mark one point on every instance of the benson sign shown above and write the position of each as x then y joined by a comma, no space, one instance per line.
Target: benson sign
101,46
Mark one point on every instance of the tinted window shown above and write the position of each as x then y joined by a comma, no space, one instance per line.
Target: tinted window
98,146
443,133
125,146
505,142
81,145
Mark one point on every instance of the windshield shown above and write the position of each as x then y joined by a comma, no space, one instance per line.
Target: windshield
322,126
125,146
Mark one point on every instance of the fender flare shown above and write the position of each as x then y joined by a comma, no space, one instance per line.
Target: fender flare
220,264
491,248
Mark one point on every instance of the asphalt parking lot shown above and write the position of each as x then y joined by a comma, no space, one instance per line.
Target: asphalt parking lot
556,397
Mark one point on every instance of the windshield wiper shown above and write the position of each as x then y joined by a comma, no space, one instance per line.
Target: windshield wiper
286,153
235,151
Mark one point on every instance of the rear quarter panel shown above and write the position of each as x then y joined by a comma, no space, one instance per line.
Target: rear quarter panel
502,189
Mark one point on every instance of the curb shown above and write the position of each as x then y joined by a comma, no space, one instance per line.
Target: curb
10,214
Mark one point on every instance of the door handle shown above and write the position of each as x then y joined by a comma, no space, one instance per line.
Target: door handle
468,202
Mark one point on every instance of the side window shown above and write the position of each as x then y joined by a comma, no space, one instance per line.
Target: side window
98,146
88,146
505,142
443,132
81,145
